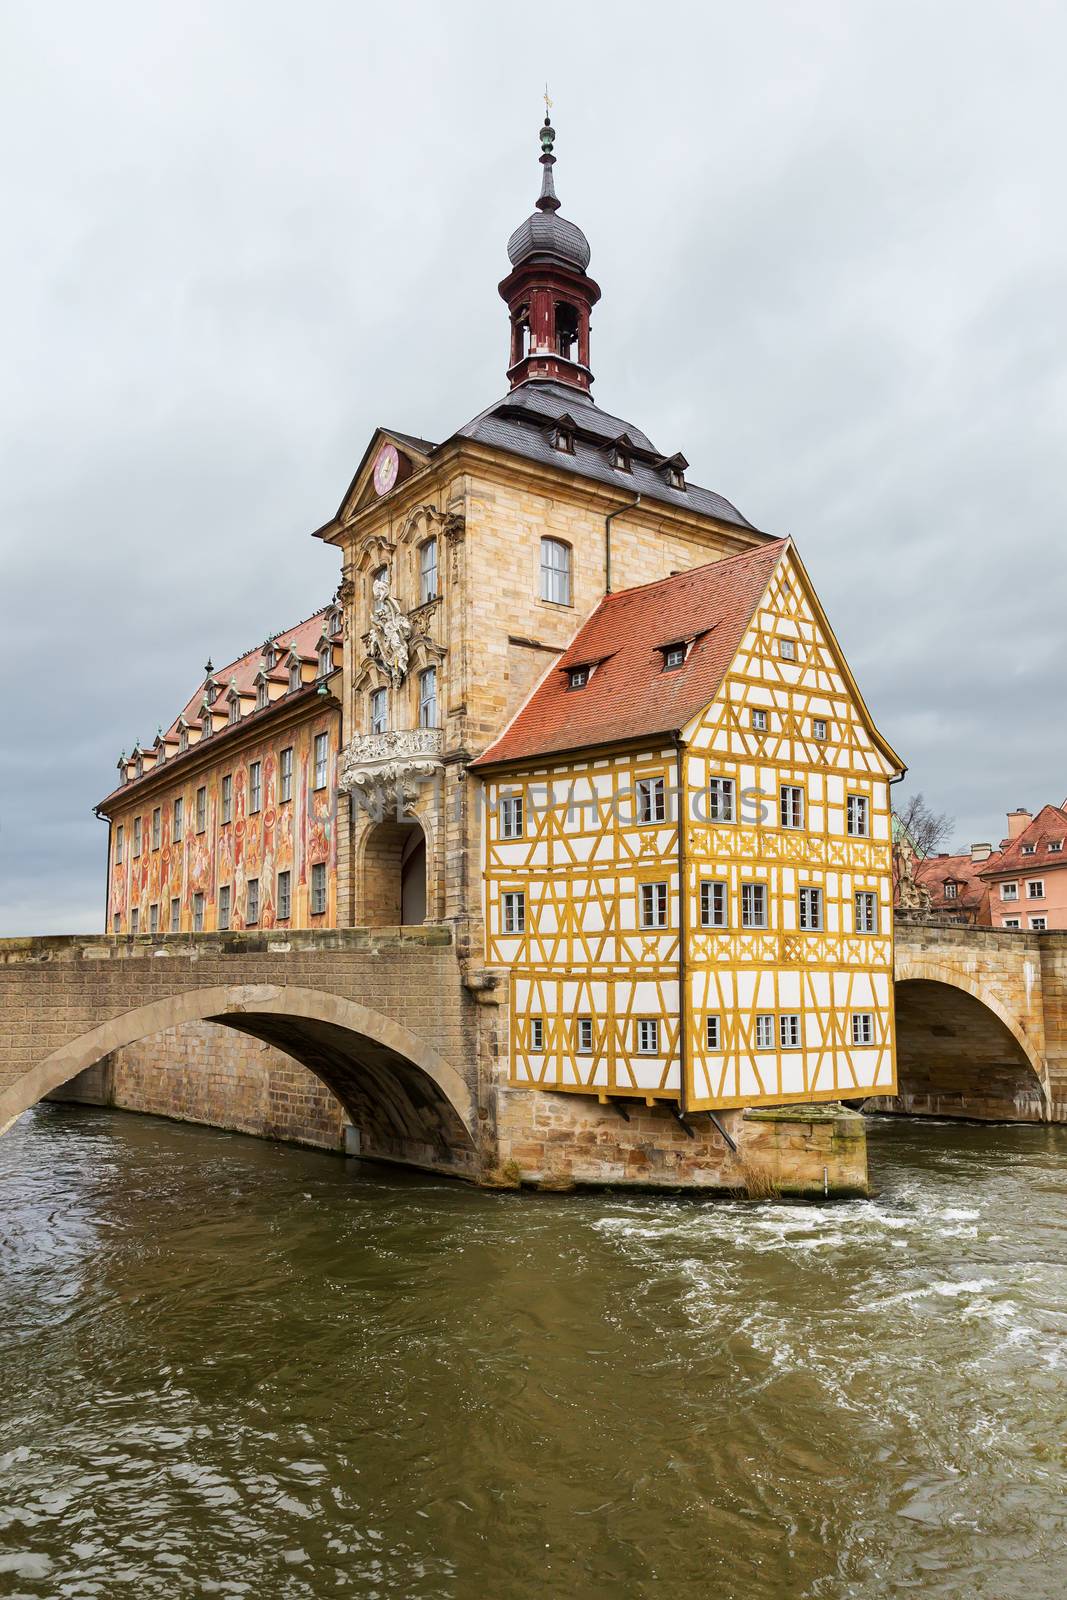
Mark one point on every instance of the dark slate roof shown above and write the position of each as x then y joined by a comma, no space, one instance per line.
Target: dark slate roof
423,446
522,423
547,235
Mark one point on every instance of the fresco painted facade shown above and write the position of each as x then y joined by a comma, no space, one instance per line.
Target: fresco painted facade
229,821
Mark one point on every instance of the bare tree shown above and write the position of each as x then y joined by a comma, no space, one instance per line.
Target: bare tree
918,831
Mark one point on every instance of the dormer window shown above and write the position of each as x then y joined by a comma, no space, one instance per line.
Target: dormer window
951,890
207,726
294,676
211,691
619,455
235,708
183,741
1055,846
138,767
333,620
673,657
674,470
325,660
1029,849
262,695
563,439
577,677
270,656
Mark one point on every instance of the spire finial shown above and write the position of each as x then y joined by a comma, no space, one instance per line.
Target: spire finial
547,199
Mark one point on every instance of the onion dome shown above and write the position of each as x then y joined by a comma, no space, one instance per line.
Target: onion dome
545,235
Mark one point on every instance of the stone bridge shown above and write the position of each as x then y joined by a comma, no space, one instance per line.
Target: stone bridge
413,1047
981,1023
381,1016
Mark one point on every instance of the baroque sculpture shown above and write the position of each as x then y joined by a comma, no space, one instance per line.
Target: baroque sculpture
390,632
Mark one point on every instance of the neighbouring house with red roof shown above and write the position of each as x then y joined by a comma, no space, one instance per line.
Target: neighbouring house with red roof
956,885
1026,881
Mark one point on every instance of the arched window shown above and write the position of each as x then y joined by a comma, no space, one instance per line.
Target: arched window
235,707
261,695
379,710
556,571
428,698
325,661
294,676
427,571
520,334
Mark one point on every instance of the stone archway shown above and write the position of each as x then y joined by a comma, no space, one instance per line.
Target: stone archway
409,1102
960,1052
394,877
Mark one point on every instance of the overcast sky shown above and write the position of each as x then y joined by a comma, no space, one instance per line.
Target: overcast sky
831,240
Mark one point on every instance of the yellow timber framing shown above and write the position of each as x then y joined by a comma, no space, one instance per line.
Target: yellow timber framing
583,859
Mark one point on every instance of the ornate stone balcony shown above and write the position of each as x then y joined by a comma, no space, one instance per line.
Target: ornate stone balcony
397,762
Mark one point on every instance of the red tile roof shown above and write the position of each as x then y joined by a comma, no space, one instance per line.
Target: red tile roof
629,695
1050,824
972,895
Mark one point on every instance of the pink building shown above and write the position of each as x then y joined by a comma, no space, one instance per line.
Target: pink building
956,883
1027,882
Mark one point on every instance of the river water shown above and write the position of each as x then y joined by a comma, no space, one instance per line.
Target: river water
233,1368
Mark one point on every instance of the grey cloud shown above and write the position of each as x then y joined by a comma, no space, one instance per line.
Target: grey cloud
832,248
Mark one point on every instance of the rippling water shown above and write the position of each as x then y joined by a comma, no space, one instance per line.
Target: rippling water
234,1368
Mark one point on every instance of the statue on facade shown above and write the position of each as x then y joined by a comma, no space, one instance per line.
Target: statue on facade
389,635
911,895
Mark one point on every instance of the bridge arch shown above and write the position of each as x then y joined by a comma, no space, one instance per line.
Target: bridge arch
369,1061
962,1051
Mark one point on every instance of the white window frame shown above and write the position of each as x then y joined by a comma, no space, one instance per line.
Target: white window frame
322,760
654,899
722,794
862,1028
713,1031
819,729
577,677
135,921
255,787
646,1036
179,820
865,911
1011,922
787,649
555,571
285,775
759,719
262,695
379,710
252,902
153,918
714,903
511,816
810,908
537,1035
201,808
224,908
319,889
428,589
755,894
651,800
858,816
1038,924
1009,891
120,839
674,657
513,911
1035,888
296,676
198,911
790,1036
765,1030
791,805
952,891
428,698
226,799
285,895
583,1045
157,826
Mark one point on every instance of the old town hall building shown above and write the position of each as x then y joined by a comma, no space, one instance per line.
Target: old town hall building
579,708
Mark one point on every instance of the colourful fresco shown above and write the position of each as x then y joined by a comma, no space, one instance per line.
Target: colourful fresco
254,847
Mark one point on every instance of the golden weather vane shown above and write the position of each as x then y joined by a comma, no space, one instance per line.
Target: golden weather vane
548,103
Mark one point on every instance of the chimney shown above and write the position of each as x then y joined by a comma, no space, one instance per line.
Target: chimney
1018,822
981,852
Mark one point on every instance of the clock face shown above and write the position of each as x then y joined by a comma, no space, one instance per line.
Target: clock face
386,468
